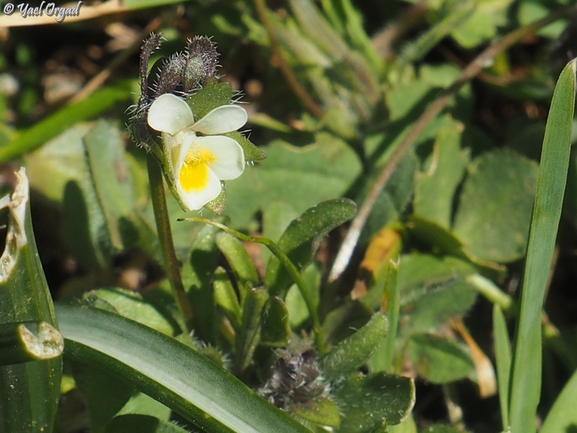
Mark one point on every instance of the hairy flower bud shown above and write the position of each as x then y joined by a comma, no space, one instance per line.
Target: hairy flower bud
202,60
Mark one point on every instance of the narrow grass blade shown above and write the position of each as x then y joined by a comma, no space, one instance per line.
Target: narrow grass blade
503,357
170,372
67,116
526,372
563,417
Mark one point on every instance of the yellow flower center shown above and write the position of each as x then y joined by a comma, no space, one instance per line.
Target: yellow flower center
193,175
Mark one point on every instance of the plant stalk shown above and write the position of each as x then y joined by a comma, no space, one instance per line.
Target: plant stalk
165,237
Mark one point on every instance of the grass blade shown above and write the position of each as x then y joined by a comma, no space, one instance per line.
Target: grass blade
503,357
170,372
562,417
35,136
526,372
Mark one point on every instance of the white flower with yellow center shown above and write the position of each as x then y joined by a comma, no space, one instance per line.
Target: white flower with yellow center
199,156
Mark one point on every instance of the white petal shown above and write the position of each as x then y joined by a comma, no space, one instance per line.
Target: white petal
225,118
229,163
179,151
195,200
169,113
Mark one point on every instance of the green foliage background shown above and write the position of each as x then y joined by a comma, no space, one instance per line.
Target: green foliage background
429,116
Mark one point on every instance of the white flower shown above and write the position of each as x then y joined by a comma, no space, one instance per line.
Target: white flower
199,157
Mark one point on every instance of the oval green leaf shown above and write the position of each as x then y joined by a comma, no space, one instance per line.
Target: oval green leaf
356,350
302,237
438,359
494,212
367,401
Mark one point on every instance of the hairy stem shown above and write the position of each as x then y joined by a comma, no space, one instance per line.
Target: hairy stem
165,237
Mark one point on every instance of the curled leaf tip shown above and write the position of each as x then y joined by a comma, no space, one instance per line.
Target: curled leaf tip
41,342
16,234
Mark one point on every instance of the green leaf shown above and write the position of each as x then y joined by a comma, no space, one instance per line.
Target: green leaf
416,51
322,411
238,259
94,204
437,236
562,416
208,98
341,322
136,230
84,226
59,161
352,27
483,23
439,360
141,424
29,391
383,358
413,91
133,306
479,27
275,330
296,304
249,336
299,49
353,352
104,394
110,175
433,290
226,297
169,371
351,73
494,211
143,404
197,275
392,201
532,10
436,185
63,160
318,29
328,164
526,373
302,237
503,361
276,218
95,104
366,401
251,152
407,426
341,77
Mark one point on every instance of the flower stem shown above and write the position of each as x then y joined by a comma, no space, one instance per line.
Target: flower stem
290,268
165,237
